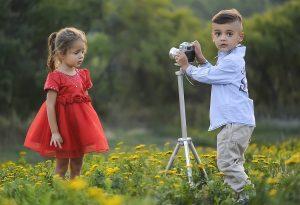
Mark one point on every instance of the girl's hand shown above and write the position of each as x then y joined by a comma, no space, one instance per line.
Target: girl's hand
182,60
56,140
198,51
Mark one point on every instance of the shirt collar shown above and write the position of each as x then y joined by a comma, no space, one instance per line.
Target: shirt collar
239,50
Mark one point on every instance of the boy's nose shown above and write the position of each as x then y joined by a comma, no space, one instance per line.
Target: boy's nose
223,37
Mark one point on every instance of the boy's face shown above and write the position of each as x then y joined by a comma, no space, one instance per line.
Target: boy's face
227,36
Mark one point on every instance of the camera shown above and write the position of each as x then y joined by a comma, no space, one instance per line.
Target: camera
187,48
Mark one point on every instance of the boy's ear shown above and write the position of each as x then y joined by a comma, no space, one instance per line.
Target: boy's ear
242,36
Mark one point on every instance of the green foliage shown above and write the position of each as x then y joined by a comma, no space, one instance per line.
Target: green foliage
128,44
137,176
273,58
205,9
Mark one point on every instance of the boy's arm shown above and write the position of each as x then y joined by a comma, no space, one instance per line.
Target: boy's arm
222,73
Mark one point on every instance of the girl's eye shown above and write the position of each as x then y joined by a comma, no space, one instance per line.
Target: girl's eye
77,52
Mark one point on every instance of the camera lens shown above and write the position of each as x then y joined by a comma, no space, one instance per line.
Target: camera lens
173,52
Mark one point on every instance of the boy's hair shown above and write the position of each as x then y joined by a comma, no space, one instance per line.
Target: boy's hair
60,42
227,16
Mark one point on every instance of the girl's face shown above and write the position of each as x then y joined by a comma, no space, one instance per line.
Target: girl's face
227,36
75,55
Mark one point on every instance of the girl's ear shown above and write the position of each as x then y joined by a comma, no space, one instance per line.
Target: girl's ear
60,56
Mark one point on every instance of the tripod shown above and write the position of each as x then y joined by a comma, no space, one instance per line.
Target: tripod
184,141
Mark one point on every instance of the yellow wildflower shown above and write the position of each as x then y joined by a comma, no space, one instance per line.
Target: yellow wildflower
22,153
39,183
176,186
189,165
171,171
77,184
259,156
140,147
111,171
94,167
133,157
120,143
271,180
95,192
42,174
272,192
220,174
211,166
115,200
201,166
294,159
162,172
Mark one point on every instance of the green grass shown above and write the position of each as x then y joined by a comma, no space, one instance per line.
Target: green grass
267,132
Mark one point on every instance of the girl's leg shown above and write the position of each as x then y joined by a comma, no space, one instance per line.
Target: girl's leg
61,167
75,166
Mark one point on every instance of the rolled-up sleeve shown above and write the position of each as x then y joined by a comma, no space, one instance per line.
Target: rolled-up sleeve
223,73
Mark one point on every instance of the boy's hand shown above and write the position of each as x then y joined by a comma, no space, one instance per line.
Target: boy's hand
182,60
198,52
56,140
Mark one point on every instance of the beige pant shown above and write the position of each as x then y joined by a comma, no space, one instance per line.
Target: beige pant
232,142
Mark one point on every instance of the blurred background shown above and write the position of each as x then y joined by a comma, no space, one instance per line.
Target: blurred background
135,88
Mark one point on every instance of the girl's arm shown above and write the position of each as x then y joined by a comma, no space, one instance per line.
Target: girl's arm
50,103
56,139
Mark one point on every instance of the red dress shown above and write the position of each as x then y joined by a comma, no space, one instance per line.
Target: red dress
78,123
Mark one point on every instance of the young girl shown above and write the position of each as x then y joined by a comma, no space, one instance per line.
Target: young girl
67,126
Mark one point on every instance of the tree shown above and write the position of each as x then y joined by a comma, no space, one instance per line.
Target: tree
274,59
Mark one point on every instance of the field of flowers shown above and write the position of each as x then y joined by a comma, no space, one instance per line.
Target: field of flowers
137,176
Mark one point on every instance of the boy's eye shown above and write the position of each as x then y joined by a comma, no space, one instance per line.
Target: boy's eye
217,34
229,34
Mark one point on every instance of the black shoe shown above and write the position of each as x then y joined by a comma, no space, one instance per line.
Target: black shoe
243,198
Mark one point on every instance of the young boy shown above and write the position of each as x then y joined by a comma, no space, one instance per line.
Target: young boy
230,107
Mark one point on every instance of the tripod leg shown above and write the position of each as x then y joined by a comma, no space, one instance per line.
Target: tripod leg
188,162
173,156
193,149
